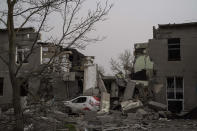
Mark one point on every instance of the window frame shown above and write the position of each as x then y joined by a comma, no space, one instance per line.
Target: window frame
174,47
175,91
22,51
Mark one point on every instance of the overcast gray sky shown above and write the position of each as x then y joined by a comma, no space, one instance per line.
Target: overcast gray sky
131,21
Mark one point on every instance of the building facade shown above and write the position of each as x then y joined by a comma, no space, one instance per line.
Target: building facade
173,52
25,38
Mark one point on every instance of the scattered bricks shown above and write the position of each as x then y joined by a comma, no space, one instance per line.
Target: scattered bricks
157,106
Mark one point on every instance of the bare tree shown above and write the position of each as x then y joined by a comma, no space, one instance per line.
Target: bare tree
123,65
75,29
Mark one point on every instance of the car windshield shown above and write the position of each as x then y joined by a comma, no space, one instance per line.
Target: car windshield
79,100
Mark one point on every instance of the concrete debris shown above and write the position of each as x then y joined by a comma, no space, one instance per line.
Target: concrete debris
130,105
129,91
101,84
90,76
141,112
116,128
105,102
9,111
191,114
162,114
89,115
143,93
132,116
157,106
28,127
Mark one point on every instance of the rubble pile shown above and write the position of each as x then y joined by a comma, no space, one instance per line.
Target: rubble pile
37,117
135,110
137,101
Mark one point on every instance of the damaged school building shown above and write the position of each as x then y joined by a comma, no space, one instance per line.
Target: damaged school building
164,73
173,52
56,72
168,63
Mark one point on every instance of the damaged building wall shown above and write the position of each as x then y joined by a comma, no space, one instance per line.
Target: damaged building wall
65,89
142,66
173,51
67,73
24,40
90,77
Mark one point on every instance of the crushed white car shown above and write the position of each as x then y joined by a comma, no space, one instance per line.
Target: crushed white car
83,103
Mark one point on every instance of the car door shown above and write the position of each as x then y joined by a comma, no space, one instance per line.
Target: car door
79,103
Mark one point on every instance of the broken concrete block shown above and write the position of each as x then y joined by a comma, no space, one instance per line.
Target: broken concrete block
129,91
105,102
130,105
157,106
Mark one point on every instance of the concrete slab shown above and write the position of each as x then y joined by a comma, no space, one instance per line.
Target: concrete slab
129,90
157,106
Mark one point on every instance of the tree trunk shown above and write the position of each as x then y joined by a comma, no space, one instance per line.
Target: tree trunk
12,68
17,105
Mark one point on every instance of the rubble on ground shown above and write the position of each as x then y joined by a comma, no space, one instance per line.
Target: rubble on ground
136,112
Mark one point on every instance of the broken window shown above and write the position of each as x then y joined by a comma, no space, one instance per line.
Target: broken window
1,86
21,55
175,93
24,88
174,49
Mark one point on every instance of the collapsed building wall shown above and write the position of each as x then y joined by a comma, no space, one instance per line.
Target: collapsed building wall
67,71
173,51
142,66
90,77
